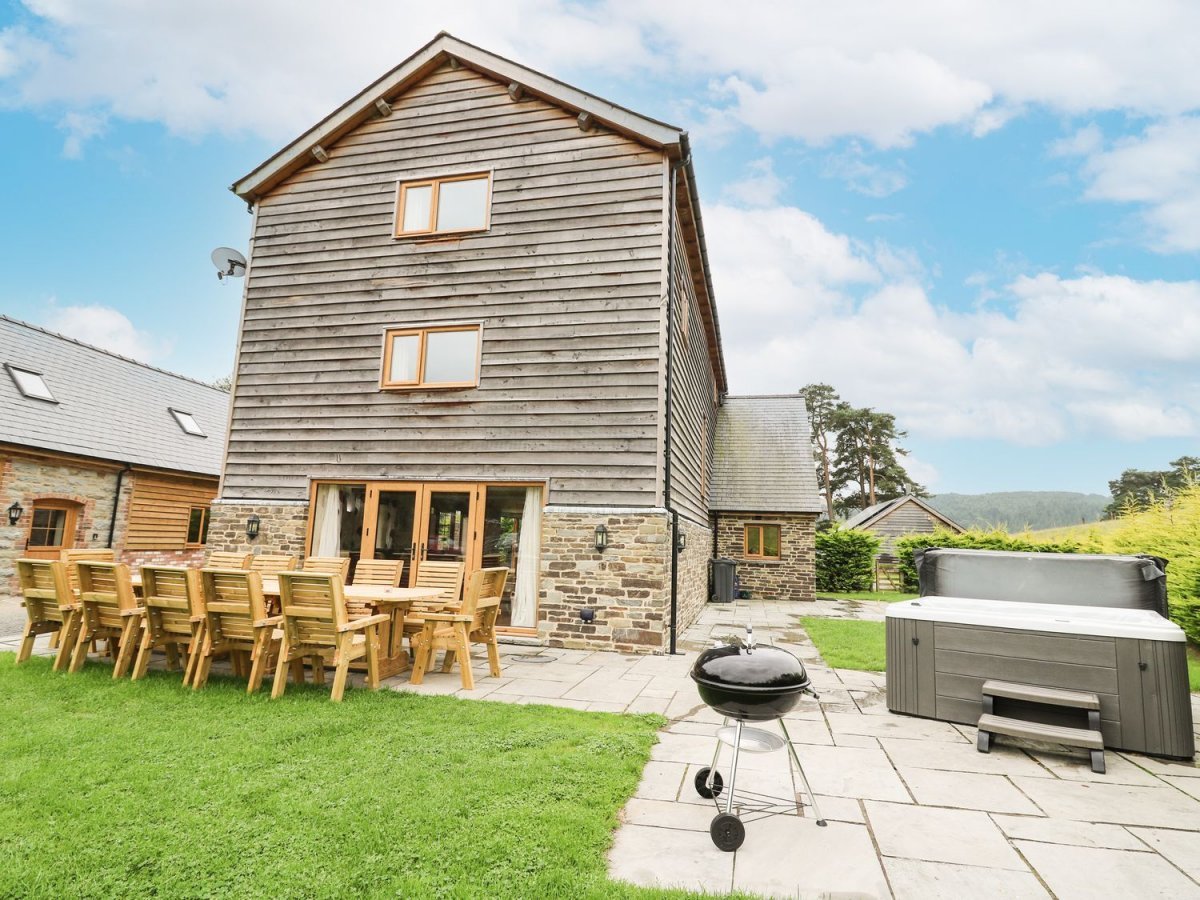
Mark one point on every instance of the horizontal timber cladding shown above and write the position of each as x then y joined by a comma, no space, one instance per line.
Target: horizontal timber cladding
566,284
693,395
159,508
907,518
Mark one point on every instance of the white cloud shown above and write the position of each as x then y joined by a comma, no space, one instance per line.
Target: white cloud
880,72
109,329
1084,142
1098,356
1160,171
861,176
80,127
760,187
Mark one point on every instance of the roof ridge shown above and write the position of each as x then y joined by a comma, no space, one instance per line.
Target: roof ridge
114,355
795,396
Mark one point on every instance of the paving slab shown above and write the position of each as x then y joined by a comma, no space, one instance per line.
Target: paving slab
852,772
602,687
535,687
1084,873
1189,786
667,814
945,756
661,780
967,790
1180,847
841,809
894,726
861,741
1178,768
1076,766
914,879
1122,804
959,836
785,856
641,855
1058,831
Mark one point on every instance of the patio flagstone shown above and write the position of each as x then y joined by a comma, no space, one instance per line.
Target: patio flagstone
914,879
1083,873
967,790
941,835
1078,834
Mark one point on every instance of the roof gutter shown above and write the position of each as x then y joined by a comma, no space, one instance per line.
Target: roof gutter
689,172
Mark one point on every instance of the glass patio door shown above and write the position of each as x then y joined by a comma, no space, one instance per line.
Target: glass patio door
392,525
447,530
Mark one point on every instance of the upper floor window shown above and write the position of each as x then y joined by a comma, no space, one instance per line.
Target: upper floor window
30,384
449,205
440,357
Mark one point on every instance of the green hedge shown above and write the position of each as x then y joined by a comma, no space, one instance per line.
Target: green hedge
976,539
846,560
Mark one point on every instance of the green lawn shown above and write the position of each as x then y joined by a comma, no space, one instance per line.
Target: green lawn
885,596
117,789
848,643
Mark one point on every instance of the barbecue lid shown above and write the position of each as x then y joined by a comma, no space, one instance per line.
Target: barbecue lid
739,667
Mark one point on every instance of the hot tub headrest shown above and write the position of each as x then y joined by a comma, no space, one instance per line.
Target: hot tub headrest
1124,582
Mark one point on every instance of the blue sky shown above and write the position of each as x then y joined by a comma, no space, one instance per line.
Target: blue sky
988,225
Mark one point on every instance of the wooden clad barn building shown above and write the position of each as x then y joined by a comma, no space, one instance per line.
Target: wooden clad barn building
897,517
479,325
100,451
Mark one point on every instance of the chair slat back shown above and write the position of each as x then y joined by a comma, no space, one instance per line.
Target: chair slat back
491,590
233,603
314,607
386,572
46,588
106,591
224,559
328,565
272,563
446,577
78,554
173,598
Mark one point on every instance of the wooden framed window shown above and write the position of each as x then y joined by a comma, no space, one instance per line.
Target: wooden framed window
197,533
52,525
451,205
762,542
437,358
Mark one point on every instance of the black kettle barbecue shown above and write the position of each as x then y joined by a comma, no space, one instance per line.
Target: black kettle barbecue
748,683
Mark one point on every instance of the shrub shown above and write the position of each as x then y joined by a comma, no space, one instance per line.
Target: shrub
846,560
977,539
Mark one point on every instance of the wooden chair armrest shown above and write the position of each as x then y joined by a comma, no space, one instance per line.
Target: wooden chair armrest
136,611
359,624
446,617
271,620
487,602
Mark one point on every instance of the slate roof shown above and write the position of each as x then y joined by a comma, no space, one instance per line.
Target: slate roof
763,457
872,514
109,407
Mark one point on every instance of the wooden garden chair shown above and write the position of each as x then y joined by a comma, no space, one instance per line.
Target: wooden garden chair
328,565
272,563
224,559
446,577
385,572
50,605
84,554
315,624
454,632
108,609
174,619
235,622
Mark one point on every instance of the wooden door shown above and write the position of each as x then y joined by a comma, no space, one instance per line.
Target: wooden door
390,528
51,528
447,527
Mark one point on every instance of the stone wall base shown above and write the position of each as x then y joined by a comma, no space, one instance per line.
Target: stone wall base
283,526
792,576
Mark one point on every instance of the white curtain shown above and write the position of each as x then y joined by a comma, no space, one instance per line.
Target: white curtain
524,604
327,530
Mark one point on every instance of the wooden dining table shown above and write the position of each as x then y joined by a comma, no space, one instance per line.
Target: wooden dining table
394,602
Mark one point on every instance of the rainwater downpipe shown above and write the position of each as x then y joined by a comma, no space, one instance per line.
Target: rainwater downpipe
112,522
674,616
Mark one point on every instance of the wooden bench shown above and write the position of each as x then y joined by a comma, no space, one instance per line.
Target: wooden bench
1088,738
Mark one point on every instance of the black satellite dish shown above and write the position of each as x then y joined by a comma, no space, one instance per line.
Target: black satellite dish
229,263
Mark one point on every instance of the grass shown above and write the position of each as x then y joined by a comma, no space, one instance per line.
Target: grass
1193,663
121,789
849,643
885,596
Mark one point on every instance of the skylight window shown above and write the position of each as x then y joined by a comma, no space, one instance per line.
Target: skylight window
30,384
188,423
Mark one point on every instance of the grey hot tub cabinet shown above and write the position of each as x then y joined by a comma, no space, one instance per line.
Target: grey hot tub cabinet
936,669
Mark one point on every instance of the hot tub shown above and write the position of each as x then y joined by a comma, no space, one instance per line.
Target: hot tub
940,650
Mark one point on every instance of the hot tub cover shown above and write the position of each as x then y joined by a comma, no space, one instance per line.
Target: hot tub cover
1079,579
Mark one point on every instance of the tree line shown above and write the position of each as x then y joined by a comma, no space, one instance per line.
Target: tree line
1138,488
857,453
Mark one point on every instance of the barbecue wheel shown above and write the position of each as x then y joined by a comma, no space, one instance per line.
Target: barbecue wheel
702,787
727,832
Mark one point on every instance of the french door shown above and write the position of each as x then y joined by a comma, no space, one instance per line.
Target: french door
475,523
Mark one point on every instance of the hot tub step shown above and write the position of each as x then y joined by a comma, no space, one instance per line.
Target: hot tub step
1092,741
1034,693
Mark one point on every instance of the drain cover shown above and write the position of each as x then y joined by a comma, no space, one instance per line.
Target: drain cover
532,657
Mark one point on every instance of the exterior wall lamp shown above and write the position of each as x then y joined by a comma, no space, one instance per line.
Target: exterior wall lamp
601,538
681,542
252,524
14,512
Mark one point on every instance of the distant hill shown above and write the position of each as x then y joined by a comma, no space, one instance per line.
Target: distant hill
1017,510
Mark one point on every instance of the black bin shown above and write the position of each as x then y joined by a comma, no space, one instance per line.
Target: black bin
724,580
